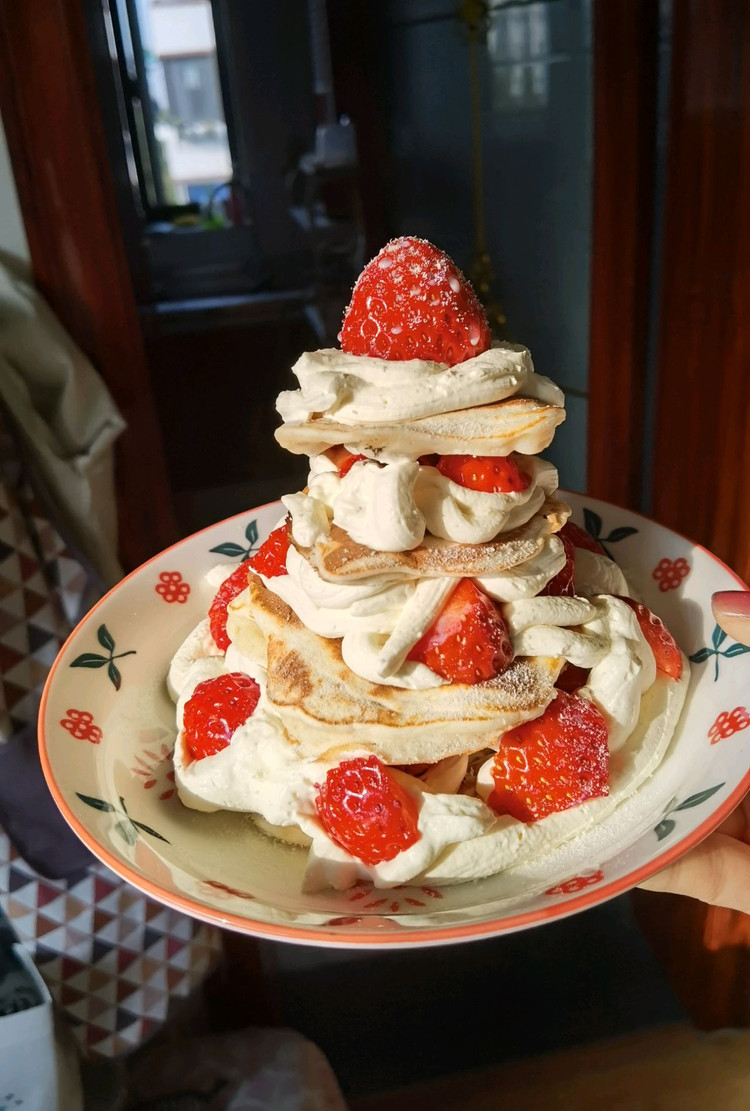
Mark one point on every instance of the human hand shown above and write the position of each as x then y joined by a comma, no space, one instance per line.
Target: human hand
718,870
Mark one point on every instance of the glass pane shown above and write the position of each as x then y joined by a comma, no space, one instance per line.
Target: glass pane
189,125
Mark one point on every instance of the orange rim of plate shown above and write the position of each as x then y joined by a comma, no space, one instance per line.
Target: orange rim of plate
363,939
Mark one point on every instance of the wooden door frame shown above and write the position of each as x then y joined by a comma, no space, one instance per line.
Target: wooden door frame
701,432
56,142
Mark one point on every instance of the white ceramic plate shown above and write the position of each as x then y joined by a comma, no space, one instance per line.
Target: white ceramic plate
107,728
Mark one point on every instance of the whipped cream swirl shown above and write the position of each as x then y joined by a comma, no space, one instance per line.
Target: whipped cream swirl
357,389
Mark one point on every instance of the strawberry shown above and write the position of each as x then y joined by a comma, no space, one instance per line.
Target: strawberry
412,302
468,642
217,614
580,538
270,558
564,581
365,810
490,474
667,655
552,762
343,459
216,710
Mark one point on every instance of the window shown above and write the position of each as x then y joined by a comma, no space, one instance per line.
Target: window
174,101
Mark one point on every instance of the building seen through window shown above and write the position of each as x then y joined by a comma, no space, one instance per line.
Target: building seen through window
182,132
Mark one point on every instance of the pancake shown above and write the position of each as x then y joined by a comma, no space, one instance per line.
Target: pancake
323,704
338,558
518,424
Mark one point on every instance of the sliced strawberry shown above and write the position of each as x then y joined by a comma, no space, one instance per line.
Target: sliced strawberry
343,459
216,710
667,655
490,474
553,762
412,302
564,581
270,558
217,614
572,678
366,811
580,538
429,460
468,642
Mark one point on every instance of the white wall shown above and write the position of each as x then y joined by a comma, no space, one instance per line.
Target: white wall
12,235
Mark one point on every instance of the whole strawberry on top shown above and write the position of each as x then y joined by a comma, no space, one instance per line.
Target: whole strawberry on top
412,302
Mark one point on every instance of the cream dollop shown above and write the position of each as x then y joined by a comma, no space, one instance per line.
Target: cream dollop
475,516
375,506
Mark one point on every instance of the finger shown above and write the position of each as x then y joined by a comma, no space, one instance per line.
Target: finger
731,608
737,825
716,872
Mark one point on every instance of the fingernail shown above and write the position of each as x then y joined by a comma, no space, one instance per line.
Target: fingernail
731,610
731,603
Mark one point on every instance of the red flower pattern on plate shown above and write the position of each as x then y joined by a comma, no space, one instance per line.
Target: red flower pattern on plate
155,768
577,883
728,723
669,573
172,587
80,724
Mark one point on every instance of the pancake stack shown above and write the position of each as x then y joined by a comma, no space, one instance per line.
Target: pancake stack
420,603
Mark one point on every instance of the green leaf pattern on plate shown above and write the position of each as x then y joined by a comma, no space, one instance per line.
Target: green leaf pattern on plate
126,826
93,659
233,551
717,639
594,525
668,825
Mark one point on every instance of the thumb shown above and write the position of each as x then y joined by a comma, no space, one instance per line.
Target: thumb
731,608
717,871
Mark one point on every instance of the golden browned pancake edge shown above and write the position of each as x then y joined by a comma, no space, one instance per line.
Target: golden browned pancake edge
338,558
323,705
516,424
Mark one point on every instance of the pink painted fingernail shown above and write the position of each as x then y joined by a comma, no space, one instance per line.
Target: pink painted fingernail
731,610
731,603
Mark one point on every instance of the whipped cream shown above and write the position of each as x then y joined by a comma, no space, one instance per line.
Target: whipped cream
597,574
261,772
375,505
526,579
511,844
601,633
389,507
378,621
356,389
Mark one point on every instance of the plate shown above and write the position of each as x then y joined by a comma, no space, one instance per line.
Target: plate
107,728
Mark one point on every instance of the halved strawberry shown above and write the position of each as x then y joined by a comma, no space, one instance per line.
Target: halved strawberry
270,558
553,762
217,614
216,710
468,642
564,581
490,474
667,655
366,811
342,459
580,538
412,302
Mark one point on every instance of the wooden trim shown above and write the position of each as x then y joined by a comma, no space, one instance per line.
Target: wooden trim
49,105
702,424
625,60
702,418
